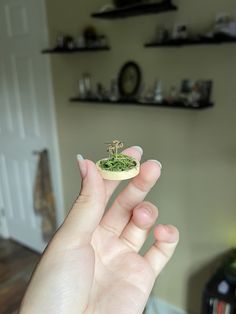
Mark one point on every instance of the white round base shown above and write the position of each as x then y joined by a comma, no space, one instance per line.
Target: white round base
119,175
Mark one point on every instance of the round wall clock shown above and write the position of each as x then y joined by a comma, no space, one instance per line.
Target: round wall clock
129,80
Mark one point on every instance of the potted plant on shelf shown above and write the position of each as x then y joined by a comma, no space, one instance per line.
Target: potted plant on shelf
117,166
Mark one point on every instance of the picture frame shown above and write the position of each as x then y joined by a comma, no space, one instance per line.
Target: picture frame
196,91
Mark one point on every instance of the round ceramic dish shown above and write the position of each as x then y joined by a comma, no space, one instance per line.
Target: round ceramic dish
119,175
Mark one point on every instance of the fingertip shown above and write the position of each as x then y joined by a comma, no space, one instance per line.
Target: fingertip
139,149
156,166
87,168
157,162
134,151
150,171
145,215
166,233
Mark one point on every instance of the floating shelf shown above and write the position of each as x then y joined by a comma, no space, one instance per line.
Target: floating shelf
189,42
75,50
134,10
176,104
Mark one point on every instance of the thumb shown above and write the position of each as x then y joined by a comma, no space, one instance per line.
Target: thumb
89,207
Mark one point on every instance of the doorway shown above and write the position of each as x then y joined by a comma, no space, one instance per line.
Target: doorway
27,119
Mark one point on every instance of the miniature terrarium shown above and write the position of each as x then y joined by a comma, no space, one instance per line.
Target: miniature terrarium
117,166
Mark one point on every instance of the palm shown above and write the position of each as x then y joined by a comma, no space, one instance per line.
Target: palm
122,279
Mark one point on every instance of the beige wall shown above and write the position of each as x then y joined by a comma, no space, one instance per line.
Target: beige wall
197,148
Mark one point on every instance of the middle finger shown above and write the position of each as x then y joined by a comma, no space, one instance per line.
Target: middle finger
117,217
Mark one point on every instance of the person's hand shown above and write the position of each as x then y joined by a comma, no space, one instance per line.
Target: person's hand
92,264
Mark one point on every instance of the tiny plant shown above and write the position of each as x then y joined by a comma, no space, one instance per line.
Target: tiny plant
117,161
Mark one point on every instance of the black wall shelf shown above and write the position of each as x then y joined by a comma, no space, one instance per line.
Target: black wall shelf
191,42
124,102
134,10
75,50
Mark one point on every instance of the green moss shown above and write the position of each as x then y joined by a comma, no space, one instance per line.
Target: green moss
118,162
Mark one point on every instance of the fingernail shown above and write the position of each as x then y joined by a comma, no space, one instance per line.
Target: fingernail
158,162
82,165
148,211
80,157
139,148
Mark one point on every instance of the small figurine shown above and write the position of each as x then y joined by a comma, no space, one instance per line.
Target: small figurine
101,93
90,36
117,166
180,32
195,95
114,90
87,84
163,35
173,95
82,90
158,94
80,41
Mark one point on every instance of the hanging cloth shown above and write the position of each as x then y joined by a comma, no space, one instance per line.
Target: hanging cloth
43,198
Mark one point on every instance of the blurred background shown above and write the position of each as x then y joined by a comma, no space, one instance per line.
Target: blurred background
159,74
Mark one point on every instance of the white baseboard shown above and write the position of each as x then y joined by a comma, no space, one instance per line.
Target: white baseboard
157,306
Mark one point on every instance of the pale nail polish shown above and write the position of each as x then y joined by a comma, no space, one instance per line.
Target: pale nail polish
139,148
82,165
158,162
80,157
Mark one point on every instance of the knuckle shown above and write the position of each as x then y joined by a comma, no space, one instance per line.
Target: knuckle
141,185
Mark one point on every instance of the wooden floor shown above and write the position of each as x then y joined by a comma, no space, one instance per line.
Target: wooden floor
16,266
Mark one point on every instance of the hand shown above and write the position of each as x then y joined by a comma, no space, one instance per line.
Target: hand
92,264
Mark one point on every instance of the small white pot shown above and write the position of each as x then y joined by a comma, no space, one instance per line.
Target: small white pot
119,175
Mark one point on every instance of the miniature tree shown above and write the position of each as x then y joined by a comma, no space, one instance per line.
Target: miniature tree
113,147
